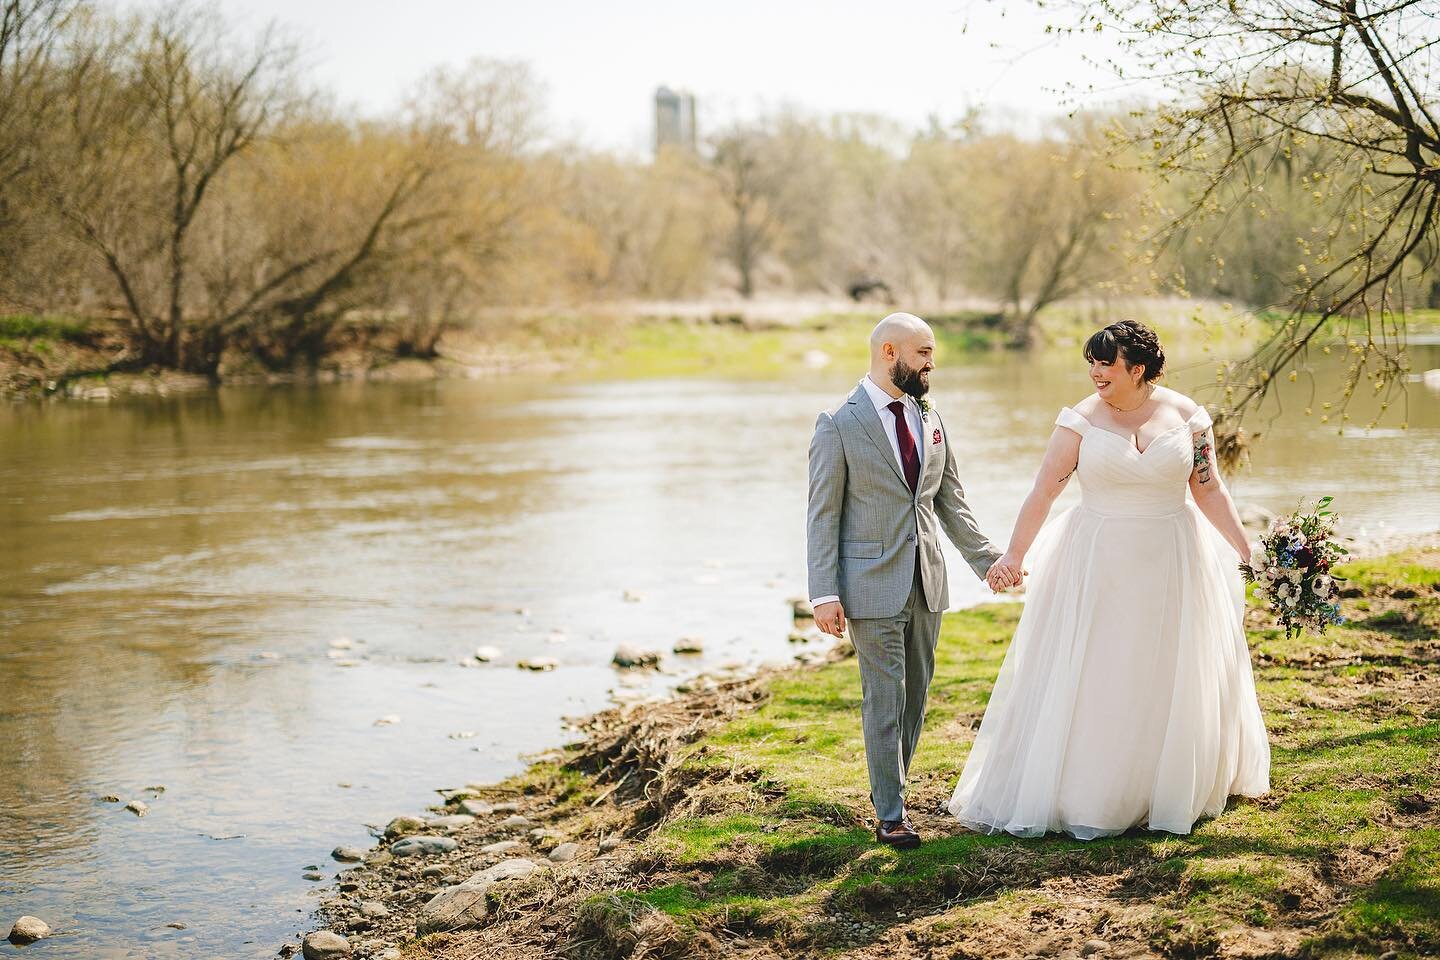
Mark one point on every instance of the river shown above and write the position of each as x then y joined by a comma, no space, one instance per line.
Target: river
179,579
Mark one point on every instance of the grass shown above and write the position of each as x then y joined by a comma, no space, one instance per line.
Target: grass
15,328
1336,860
733,351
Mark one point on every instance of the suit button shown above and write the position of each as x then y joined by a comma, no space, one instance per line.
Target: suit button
911,538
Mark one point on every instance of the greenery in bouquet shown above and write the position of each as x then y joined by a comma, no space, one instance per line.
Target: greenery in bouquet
1291,570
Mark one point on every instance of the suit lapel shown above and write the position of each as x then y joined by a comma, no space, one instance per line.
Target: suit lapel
865,412
934,452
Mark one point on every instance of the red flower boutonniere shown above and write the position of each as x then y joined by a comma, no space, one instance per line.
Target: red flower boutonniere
935,437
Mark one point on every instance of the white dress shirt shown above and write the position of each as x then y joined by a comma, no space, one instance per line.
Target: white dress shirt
882,401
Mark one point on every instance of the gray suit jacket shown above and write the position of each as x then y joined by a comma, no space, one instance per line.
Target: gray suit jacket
861,529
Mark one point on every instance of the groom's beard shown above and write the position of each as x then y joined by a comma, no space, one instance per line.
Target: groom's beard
909,379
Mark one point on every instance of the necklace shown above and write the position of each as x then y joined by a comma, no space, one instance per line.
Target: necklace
1137,406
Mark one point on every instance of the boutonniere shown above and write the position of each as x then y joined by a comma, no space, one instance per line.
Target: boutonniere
925,409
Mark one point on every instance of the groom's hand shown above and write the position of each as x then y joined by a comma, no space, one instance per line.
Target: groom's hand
1005,573
830,618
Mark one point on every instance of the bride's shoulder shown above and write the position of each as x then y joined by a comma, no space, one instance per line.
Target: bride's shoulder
1087,406
1177,401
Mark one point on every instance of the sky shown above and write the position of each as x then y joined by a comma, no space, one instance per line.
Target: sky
600,62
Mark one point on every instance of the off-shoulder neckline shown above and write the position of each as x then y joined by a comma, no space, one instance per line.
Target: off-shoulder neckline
1130,442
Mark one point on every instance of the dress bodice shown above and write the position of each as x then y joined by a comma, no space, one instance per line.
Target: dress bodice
1118,480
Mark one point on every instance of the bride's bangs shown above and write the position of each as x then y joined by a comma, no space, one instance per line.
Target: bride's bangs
1102,346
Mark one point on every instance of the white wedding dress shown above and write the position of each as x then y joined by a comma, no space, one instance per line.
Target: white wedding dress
1126,697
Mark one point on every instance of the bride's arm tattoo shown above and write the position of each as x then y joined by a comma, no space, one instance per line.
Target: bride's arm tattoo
1202,456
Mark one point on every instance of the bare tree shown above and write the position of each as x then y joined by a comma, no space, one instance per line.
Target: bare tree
1046,219
1256,82
30,32
164,116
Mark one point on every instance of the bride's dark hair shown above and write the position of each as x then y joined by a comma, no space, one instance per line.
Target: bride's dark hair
1132,339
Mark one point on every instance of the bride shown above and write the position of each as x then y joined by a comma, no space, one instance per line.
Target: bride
1126,697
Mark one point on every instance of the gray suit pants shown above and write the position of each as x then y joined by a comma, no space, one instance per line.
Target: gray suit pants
897,660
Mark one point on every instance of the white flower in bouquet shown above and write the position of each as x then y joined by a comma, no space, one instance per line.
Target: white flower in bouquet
1323,586
1283,591
1258,558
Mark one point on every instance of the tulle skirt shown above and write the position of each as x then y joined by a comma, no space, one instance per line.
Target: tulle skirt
1126,697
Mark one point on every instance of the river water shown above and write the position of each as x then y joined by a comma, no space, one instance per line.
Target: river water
177,576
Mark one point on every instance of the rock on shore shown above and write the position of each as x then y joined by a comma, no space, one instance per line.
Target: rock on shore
325,945
422,846
465,905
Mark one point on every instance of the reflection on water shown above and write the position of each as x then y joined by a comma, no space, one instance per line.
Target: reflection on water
173,573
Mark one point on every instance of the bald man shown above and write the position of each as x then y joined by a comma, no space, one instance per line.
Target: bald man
883,482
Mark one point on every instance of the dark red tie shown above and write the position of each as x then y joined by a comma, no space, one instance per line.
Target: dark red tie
909,456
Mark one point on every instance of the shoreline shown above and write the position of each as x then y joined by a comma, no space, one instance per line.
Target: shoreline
557,859
633,339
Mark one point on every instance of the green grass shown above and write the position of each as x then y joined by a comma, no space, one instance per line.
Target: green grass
22,327
1329,841
677,349
1415,321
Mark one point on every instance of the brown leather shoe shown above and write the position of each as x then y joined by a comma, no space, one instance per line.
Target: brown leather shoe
898,834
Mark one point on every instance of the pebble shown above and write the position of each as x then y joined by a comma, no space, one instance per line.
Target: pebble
564,853
348,854
109,798
422,846
373,908
387,720
611,843
312,875
29,929
402,826
138,807
487,654
540,833
393,953
633,596
433,871
538,664
475,808
341,643
516,822
629,657
1093,946
502,846
325,945
509,806
689,645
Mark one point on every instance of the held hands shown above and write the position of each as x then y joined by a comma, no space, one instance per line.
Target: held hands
830,618
1005,573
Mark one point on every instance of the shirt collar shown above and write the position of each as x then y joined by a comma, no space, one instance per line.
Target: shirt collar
881,399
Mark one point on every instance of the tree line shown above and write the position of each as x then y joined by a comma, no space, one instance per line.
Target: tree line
184,179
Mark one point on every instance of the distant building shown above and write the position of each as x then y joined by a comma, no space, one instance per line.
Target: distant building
674,119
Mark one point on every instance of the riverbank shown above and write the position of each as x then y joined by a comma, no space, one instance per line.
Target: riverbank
733,821
75,359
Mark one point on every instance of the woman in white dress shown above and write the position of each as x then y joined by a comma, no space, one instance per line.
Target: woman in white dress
1126,697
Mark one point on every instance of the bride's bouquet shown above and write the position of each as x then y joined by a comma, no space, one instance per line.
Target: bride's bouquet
1291,570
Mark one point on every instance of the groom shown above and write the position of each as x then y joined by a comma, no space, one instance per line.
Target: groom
883,481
